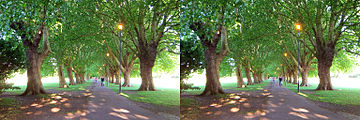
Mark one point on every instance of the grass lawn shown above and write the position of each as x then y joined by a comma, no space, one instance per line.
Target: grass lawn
343,96
54,86
233,86
163,96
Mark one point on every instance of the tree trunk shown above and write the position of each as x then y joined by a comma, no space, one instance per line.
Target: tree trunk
87,77
62,82
255,76
260,78
295,77
70,75
34,84
248,76
304,76
324,74
117,77
212,73
78,81
126,79
82,77
112,78
146,75
35,59
240,81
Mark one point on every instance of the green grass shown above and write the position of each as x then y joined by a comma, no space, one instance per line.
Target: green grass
342,96
163,96
54,86
233,86
8,102
188,102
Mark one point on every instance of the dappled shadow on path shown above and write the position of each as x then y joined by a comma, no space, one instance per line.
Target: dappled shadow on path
237,105
56,106
285,104
105,104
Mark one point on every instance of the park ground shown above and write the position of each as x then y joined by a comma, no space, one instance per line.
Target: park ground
73,102
252,102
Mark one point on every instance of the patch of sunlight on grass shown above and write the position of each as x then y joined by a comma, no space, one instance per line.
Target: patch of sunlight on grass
123,94
163,96
302,94
343,96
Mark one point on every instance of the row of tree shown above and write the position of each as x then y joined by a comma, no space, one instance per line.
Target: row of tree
75,37
262,39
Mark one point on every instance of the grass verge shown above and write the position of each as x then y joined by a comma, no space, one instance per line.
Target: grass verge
163,96
232,86
54,86
342,96
9,107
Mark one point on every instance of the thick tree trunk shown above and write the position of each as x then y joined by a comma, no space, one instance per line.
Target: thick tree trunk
295,78
248,76
146,75
304,76
240,81
78,81
62,82
324,74
112,78
256,79
34,84
126,79
87,77
82,77
35,59
212,73
291,77
70,75
260,78
117,77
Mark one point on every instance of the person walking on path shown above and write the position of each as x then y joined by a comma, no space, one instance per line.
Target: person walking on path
102,81
280,80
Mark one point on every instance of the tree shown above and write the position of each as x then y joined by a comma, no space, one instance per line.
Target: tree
29,20
210,29
147,23
12,59
324,22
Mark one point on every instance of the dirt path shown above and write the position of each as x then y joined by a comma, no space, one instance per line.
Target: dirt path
105,104
284,104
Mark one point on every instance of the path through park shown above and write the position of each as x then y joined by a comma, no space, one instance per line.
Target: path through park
105,104
284,104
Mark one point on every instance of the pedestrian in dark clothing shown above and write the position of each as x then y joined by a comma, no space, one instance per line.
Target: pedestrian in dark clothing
102,81
280,80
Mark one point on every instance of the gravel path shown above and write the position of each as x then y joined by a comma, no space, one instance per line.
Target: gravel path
105,104
284,104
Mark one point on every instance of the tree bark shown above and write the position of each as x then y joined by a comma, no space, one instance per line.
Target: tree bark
112,78
70,75
240,81
324,74
78,81
256,81
35,60
146,75
117,77
34,84
295,77
248,76
62,82
82,77
304,76
212,73
126,79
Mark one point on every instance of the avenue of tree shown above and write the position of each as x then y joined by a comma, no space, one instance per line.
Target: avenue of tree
259,39
80,39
